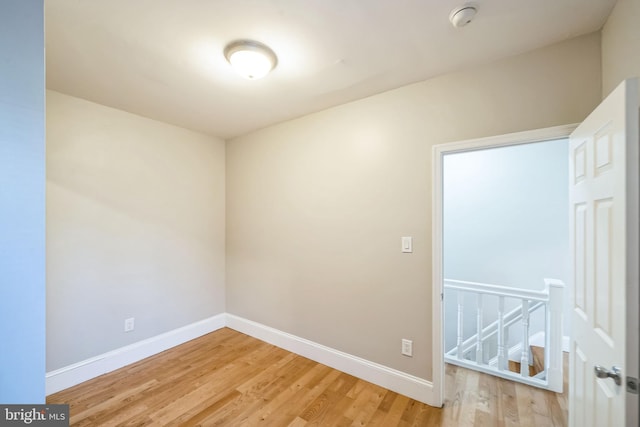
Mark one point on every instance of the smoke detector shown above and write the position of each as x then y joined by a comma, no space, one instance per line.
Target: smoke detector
462,15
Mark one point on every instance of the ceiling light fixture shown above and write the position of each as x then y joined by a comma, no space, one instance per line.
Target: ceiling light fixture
250,59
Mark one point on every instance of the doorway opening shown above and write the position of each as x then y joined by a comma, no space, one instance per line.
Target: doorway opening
500,219
506,223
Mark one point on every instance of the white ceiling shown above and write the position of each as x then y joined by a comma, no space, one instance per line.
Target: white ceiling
163,58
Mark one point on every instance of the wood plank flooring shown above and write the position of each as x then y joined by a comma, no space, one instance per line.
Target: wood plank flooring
230,379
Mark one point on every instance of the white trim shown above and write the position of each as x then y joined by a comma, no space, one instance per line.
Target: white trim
71,375
437,284
508,140
400,382
438,153
537,339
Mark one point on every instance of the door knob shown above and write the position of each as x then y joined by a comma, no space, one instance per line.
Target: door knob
614,373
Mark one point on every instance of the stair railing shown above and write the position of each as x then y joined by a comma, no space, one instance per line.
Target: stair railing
470,352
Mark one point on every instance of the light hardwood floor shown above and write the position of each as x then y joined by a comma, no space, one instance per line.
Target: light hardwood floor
227,378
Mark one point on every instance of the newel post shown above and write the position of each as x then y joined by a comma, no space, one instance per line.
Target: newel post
553,346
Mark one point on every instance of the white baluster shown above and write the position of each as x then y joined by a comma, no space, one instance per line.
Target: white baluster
460,320
506,346
479,358
502,348
524,359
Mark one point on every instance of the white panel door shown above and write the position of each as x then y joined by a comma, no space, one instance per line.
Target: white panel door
603,195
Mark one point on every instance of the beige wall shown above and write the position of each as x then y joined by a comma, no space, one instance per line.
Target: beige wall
316,206
621,45
135,228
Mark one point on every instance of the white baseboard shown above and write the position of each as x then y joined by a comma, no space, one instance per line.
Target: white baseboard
538,340
400,382
90,368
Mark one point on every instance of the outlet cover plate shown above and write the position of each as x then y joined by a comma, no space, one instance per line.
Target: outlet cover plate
129,324
407,347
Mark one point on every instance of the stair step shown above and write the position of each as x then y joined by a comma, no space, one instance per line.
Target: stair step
538,362
515,367
538,358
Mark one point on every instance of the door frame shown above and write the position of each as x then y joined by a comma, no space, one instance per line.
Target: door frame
437,257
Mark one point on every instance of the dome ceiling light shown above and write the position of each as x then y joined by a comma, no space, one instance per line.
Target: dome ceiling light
251,59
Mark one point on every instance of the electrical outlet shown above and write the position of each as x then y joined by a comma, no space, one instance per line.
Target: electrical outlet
129,324
407,347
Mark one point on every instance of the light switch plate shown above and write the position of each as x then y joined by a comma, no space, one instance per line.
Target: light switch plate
407,244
